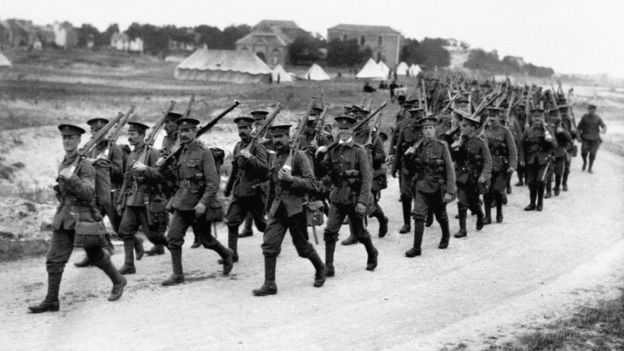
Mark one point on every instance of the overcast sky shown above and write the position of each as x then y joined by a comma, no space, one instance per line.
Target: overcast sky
570,36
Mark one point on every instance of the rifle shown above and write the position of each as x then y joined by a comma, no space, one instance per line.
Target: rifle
360,124
112,137
296,145
319,123
151,138
201,131
187,113
265,127
423,95
82,152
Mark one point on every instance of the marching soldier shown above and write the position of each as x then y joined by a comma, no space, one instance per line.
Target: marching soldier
351,177
409,134
197,181
76,223
287,196
473,167
559,154
589,128
535,149
249,170
504,155
107,159
141,202
571,150
434,184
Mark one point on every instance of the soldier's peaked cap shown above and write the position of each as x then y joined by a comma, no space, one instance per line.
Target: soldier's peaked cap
244,120
70,129
591,105
344,121
97,122
316,110
137,126
173,116
563,107
259,114
187,123
428,121
280,129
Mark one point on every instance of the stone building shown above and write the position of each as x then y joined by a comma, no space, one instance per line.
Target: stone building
384,41
269,40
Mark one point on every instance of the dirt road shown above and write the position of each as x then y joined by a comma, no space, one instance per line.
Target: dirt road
404,303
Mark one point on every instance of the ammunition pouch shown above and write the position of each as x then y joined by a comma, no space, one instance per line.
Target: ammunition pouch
314,213
214,211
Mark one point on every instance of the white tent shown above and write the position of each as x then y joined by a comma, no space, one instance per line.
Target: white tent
402,69
370,71
315,73
4,61
279,72
385,70
223,66
414,70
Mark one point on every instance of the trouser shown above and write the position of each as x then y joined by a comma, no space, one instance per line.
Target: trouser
276,231
337,214
61,247
535,172
181,221
557,169
566,169
468,197
590,147
136,216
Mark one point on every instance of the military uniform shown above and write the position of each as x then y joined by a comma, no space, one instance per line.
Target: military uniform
351,179
142,202
571,148
245,186
286,202
504,155
197,182
409,134
76,222
589,132
472,161
534,153
434,176
559,156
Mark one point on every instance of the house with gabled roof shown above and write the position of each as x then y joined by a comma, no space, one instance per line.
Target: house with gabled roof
384,41
269,40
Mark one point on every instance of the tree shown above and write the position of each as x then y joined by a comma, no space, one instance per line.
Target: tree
305,49
87,33
105,37
346,53
428,53
231,34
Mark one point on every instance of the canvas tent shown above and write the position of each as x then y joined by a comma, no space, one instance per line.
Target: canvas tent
315,73
414,70
223,66
371,70
385,70
4,61
402,69
279,72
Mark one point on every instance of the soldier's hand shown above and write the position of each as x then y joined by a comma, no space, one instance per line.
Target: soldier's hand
200,209
246,154
285,174
102,162
66,173
390,159
521,163
360,209
394,173
321,149
160,161
510,170
482,179
448,198
139,166
410,150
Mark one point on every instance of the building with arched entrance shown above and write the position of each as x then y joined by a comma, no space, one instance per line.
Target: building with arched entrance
269,40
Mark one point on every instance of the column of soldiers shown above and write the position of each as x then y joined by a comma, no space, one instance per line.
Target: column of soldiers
465,146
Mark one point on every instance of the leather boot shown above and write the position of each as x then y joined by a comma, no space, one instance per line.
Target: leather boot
321,271
233,240
564,182
51,301
383,221
349,241
499,208
407,217
533,196
157,249
446,234
128,266
371,262
330,248
557,184
227,257
138,248
196,242
462,223
591,164
247,231
480,218
487,204
119,282
269,287
548,185
540,197
430,216
83,263
419,229
584,162
176,263
110,248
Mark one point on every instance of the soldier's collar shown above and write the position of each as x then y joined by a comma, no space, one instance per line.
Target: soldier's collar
349,142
